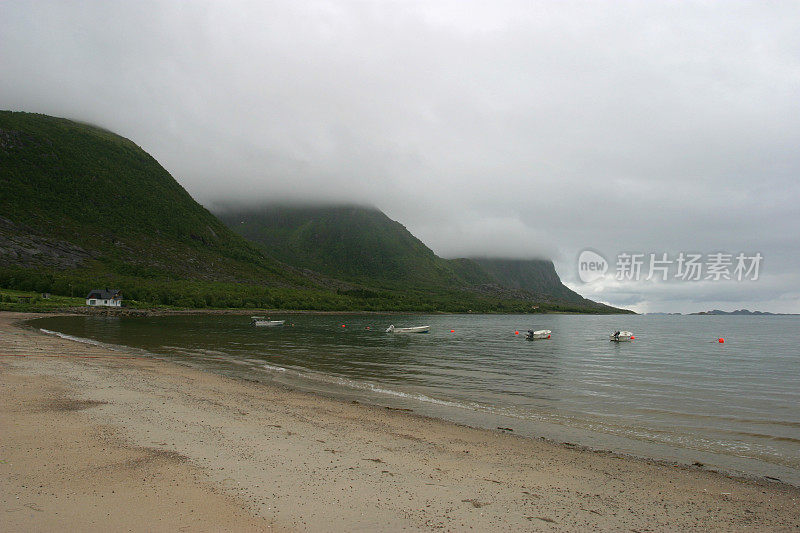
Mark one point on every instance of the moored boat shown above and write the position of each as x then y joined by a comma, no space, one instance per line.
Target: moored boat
621,336
415,329
262,321
538,334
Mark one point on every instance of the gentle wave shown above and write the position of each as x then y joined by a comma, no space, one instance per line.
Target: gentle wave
80,339
333,380
767,437
739,420
371,387
324,378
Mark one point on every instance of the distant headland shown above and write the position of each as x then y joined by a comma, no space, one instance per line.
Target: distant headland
746,312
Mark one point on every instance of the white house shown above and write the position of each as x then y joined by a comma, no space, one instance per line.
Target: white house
108,298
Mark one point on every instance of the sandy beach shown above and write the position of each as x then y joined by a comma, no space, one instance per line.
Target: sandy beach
97,439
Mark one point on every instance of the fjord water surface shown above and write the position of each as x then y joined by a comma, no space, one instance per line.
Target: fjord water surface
674,393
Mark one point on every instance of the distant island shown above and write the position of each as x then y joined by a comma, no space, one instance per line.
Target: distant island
745,312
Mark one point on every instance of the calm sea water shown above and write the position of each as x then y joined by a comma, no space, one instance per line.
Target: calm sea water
674,393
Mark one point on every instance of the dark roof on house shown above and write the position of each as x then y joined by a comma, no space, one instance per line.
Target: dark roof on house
104,294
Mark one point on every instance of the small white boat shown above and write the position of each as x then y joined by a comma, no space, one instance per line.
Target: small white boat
621,336
538,334
262,321
415,329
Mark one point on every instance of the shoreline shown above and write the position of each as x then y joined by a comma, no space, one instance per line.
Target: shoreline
368,466
332,395
159,311
545,429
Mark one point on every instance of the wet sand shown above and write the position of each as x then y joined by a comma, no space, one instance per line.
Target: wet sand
93,439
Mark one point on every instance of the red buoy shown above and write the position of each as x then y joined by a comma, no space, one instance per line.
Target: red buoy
632,337
452,331
516,333
721,340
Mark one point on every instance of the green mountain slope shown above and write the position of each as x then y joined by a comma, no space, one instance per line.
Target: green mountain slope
537,276
348,242
82,207
361,243
103,194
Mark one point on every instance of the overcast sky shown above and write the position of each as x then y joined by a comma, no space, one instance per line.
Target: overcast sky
519,129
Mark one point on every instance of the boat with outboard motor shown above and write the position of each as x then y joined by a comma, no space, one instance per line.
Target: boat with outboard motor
262,321
538,334
621,336
415,329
